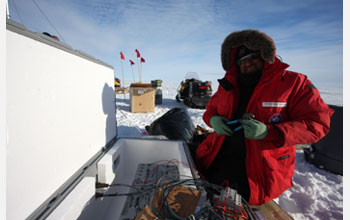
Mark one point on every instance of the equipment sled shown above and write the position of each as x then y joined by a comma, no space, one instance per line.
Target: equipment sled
194,92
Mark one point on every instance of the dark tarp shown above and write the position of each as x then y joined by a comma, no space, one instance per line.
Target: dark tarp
327,153
176,124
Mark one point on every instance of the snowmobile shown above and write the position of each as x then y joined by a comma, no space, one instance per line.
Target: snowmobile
194,92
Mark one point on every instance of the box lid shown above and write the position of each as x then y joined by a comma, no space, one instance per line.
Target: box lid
142,85
53,128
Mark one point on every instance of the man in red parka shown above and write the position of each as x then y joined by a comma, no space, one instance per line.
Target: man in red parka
259,113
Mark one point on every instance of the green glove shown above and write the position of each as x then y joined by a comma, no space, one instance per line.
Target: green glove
219,125
254,129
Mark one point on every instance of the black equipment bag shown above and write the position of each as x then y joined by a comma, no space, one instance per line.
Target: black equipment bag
327,153
176,124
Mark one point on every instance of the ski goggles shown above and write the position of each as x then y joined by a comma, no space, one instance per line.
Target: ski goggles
244,59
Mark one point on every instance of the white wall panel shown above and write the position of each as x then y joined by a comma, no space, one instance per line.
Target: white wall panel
60,112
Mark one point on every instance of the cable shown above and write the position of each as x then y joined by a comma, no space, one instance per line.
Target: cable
98,195
104,185
48,20
118,184
218,203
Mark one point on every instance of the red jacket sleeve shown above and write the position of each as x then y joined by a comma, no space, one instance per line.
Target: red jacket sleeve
211,108
309,117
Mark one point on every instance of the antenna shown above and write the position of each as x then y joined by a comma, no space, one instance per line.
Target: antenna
36,4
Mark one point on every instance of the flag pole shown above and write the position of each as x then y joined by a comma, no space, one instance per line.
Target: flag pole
133,75
142,60
121,64
138,56
122,67
138,67
140,70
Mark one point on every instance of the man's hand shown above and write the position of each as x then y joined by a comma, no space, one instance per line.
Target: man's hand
254,129
219,125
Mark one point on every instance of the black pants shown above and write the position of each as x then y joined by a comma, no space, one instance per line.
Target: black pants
229,165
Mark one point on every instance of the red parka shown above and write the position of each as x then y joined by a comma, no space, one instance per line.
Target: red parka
288,103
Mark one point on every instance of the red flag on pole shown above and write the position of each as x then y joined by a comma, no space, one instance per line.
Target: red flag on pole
143,60
138,53
122,56
131,63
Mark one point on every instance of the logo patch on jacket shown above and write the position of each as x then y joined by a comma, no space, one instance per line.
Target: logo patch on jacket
275,119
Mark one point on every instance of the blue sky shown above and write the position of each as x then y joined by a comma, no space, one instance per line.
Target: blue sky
180,36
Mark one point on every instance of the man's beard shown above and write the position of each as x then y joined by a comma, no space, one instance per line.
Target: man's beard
249,79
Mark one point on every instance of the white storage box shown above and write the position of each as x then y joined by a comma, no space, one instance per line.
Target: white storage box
54,125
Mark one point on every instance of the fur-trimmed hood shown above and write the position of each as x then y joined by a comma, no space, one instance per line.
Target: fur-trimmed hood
252,39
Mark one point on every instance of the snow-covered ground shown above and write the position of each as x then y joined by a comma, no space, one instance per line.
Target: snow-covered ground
316,194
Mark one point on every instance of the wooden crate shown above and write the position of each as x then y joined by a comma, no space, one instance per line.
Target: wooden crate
142,99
